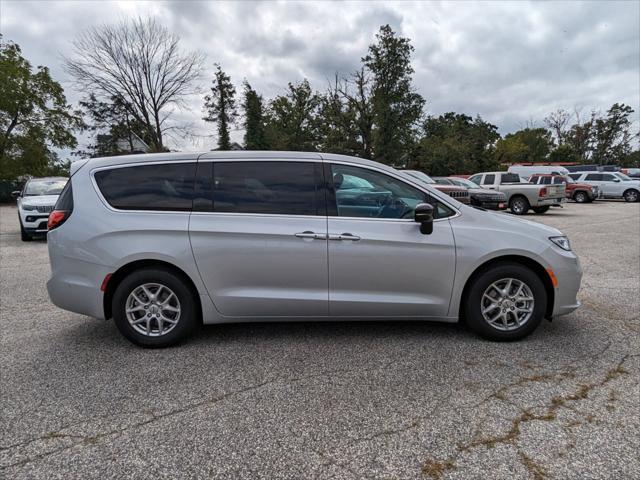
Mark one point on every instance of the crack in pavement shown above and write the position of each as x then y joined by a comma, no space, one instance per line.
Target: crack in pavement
435,468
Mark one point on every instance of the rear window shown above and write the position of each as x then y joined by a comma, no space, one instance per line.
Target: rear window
509,178
285,188
164,187
65,200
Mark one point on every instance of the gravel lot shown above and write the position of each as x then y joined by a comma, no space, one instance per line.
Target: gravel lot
335,400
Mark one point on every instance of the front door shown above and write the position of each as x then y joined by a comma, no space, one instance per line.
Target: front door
379,262
261,249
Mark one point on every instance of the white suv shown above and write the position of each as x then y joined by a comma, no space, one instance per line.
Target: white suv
611,184
35,202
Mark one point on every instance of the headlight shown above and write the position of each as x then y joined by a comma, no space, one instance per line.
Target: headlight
27,207
562,242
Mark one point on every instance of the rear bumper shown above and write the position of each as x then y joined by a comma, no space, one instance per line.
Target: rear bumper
75,284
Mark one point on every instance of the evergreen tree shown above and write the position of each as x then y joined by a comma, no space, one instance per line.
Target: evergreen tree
220,107
254,130
397,108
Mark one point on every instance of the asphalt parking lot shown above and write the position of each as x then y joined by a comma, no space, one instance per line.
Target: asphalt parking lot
334,400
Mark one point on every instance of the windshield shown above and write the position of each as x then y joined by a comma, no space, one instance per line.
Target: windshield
45,187
623,177
463,182
420,176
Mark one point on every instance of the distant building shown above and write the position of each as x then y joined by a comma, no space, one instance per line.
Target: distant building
130,144
233,147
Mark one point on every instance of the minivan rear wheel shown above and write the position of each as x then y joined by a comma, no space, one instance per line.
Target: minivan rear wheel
505,302
153,307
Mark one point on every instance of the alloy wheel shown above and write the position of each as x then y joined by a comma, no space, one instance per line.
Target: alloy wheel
507,304
153,309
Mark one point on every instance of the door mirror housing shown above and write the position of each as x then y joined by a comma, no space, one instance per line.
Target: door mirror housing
424,216
15,193
617,180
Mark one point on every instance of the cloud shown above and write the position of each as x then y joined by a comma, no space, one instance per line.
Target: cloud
510,62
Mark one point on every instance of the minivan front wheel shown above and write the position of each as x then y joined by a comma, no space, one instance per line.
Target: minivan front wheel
153,307
506,302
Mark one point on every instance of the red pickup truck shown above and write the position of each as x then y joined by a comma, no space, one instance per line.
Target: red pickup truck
580,192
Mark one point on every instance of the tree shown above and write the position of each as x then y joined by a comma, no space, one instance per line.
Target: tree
254,129
292,122
34,116
455,143
338,130
564,154
529,145
558,122
220,106
397,108
612,136
112,125
140,63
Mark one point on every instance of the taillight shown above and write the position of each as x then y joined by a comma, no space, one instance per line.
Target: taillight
543,192
57,218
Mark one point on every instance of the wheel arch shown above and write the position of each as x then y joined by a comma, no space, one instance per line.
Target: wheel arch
528,262
630,189
122,272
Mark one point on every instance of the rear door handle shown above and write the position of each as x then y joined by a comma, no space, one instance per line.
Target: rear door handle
344,236
310,234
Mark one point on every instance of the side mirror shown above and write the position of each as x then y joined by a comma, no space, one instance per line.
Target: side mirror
424,216
15,193
617,180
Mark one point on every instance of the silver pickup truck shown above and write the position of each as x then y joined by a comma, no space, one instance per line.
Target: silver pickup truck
521,196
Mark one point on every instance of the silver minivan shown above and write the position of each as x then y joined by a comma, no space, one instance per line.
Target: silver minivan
163,242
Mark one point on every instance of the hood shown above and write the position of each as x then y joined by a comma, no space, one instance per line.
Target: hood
448,188
47,200
511,222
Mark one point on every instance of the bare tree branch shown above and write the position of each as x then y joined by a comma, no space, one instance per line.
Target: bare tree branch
139,62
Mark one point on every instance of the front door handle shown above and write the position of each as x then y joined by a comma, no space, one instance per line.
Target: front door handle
310,234
344,236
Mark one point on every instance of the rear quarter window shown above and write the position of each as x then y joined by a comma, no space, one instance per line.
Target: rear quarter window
166,187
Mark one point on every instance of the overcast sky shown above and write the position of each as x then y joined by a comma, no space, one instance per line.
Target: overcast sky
511,62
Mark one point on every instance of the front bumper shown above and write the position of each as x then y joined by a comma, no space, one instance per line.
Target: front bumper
568,271
33,221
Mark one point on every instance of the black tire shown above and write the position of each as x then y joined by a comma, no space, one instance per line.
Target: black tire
631,195
581,197
24,236
187,319
540,210
473,307
519,205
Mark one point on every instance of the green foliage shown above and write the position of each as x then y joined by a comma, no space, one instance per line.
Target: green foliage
396,107
455,143
254,128
110,122
220,106
292,121
564,153
526,145
34,116
612,136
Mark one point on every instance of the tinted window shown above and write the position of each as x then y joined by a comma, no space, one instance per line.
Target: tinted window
286,188
543,180
607,177
558,180
65,200
476,179
509,178
148,187
575,176
381,196
489,179
594,177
